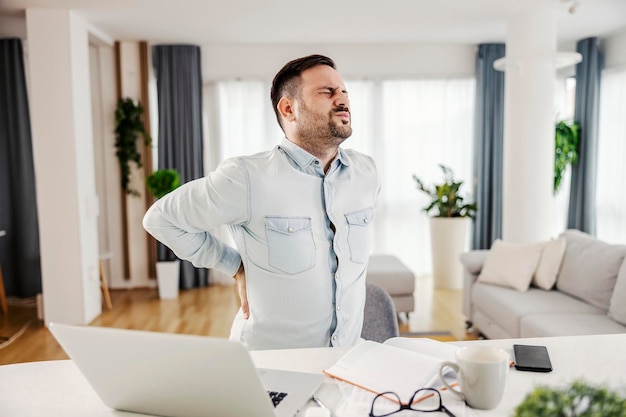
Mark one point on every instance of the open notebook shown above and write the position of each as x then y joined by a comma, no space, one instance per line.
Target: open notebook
402,365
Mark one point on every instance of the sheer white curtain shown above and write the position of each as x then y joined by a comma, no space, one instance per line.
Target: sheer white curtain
409,127
247,123
611,179
564,99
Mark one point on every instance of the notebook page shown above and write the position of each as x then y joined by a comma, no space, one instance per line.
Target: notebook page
430,347
382,367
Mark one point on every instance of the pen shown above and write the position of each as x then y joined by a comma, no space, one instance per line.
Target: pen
321,404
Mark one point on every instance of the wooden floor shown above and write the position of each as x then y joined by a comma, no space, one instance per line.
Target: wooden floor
205,311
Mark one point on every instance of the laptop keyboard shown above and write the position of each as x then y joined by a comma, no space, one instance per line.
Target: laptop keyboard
276,397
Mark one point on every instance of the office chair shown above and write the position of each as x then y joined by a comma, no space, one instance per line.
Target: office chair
379,319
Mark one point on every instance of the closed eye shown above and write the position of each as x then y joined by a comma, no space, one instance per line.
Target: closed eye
331,91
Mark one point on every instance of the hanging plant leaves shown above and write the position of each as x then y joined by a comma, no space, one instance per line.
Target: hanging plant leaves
128,129
565,150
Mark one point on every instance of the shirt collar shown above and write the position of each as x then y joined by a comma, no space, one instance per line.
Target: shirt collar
303,158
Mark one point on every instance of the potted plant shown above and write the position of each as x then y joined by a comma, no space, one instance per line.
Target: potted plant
128,128
448,227
565,149
580,399
160,183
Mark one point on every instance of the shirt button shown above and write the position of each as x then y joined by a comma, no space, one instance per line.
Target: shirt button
317,162
334,337
364,220
290,229
337,309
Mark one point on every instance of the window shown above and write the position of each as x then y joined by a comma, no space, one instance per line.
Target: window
410,127
247,123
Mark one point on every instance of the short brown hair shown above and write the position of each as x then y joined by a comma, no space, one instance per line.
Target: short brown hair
287,81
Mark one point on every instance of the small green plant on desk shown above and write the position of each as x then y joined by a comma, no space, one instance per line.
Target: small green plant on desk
578,400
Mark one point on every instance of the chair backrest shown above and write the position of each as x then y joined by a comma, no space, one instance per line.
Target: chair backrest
379,320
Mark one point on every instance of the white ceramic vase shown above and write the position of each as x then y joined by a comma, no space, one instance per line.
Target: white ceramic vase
447,240
168,274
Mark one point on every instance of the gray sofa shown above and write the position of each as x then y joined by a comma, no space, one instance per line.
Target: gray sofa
589,296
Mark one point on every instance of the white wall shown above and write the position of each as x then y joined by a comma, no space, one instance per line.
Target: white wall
13,26
63,154
353,61
615,50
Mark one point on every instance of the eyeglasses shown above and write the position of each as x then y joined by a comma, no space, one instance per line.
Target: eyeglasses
426,400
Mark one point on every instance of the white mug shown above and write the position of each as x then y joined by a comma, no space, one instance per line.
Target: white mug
481,373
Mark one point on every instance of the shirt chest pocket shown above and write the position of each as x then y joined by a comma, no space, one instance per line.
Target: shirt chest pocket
359,239
291,247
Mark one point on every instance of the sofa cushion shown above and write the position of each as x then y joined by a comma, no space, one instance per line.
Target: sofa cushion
589,268
549,263
506,306
541,325
617,309
511,264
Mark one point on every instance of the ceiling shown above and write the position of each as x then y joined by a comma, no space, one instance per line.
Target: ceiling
326,22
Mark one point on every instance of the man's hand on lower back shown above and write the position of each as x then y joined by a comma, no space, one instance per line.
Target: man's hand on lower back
240,278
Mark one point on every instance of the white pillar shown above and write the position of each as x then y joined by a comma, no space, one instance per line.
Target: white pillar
60,103
529,122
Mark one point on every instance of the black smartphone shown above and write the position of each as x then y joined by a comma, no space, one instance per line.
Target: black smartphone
532,358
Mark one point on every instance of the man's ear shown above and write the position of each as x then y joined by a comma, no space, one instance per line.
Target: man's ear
286,109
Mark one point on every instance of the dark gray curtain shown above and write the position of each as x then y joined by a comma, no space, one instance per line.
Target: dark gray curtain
19,248
488,142
179,88
582,199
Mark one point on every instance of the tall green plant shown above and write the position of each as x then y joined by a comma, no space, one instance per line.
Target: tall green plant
128,129
445,198
565,150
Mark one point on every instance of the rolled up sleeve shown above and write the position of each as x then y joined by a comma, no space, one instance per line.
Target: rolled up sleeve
182,220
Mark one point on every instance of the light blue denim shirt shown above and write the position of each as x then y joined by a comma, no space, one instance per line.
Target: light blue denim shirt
302,235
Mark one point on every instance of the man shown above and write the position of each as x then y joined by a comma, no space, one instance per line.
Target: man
299,214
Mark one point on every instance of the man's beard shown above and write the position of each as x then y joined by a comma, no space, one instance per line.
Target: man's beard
315,126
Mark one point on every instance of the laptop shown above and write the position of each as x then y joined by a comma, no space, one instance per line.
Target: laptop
177,375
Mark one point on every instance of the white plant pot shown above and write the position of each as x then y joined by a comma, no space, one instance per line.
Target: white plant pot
168,279
447,239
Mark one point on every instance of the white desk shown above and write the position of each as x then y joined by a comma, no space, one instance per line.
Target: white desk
56,388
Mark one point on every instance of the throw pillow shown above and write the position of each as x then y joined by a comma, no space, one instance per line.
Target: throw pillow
617,310
549,263
590,268
511,264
